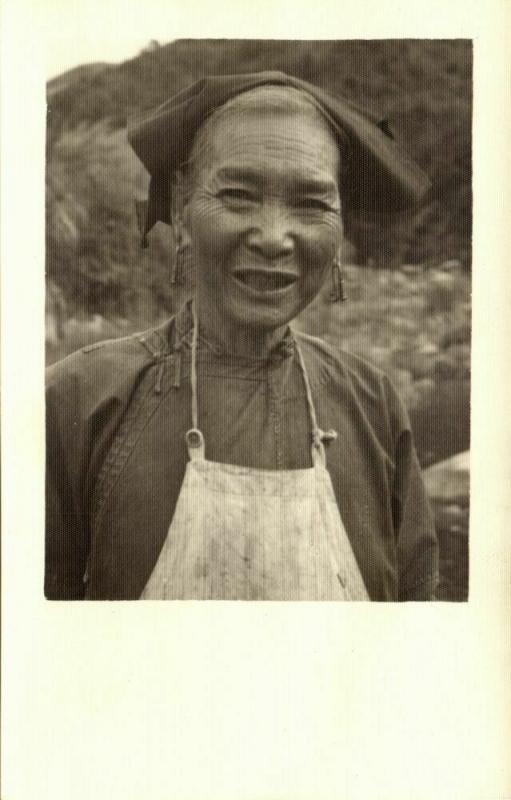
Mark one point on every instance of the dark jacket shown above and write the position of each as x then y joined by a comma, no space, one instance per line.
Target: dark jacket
117,413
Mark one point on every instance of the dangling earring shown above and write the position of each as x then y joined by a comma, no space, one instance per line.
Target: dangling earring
337,293
177,267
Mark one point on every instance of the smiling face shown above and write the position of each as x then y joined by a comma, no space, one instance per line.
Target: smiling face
264,218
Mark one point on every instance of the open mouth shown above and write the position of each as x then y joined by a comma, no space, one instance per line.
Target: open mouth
265,280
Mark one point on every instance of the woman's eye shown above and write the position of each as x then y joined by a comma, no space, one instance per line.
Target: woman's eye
237,195
312,204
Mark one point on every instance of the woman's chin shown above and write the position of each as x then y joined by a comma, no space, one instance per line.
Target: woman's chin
264,309
266,312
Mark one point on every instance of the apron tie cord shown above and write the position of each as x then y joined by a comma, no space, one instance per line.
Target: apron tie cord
193,367
317,434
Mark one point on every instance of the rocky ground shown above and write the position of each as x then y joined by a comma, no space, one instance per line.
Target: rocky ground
448,486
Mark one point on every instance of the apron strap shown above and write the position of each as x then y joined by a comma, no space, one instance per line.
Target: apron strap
318,450
193,368
193,437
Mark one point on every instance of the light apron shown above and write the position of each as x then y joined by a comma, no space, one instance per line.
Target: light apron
240,533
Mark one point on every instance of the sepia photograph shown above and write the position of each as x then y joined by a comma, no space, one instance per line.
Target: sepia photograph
258,322
255,334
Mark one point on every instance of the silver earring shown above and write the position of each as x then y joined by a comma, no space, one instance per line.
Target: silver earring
177,267
337,292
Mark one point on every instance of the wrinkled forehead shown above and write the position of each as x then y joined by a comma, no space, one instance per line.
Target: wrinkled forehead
269,145
267,122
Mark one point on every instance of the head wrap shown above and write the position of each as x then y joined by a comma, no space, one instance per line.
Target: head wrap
380,176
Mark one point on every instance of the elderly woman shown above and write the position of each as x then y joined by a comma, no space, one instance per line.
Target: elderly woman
221,455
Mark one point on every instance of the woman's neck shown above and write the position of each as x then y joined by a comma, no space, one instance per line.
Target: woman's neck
235,339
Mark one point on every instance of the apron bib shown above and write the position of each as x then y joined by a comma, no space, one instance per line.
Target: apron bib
240,533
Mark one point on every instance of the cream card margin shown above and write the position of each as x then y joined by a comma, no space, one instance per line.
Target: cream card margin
253,701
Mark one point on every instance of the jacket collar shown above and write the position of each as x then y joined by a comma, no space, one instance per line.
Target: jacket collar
183,331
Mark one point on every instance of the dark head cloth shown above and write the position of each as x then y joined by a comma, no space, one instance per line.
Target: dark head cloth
380,177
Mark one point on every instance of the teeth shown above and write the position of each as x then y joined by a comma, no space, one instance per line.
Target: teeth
261,282
264,282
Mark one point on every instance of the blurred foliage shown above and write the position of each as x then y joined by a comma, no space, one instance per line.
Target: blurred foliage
93,254
92,243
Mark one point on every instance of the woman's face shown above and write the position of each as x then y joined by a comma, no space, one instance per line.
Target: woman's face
264,218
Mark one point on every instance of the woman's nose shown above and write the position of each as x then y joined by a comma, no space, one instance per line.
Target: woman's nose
271,236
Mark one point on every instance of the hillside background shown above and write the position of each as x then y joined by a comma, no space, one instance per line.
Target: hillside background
408,278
